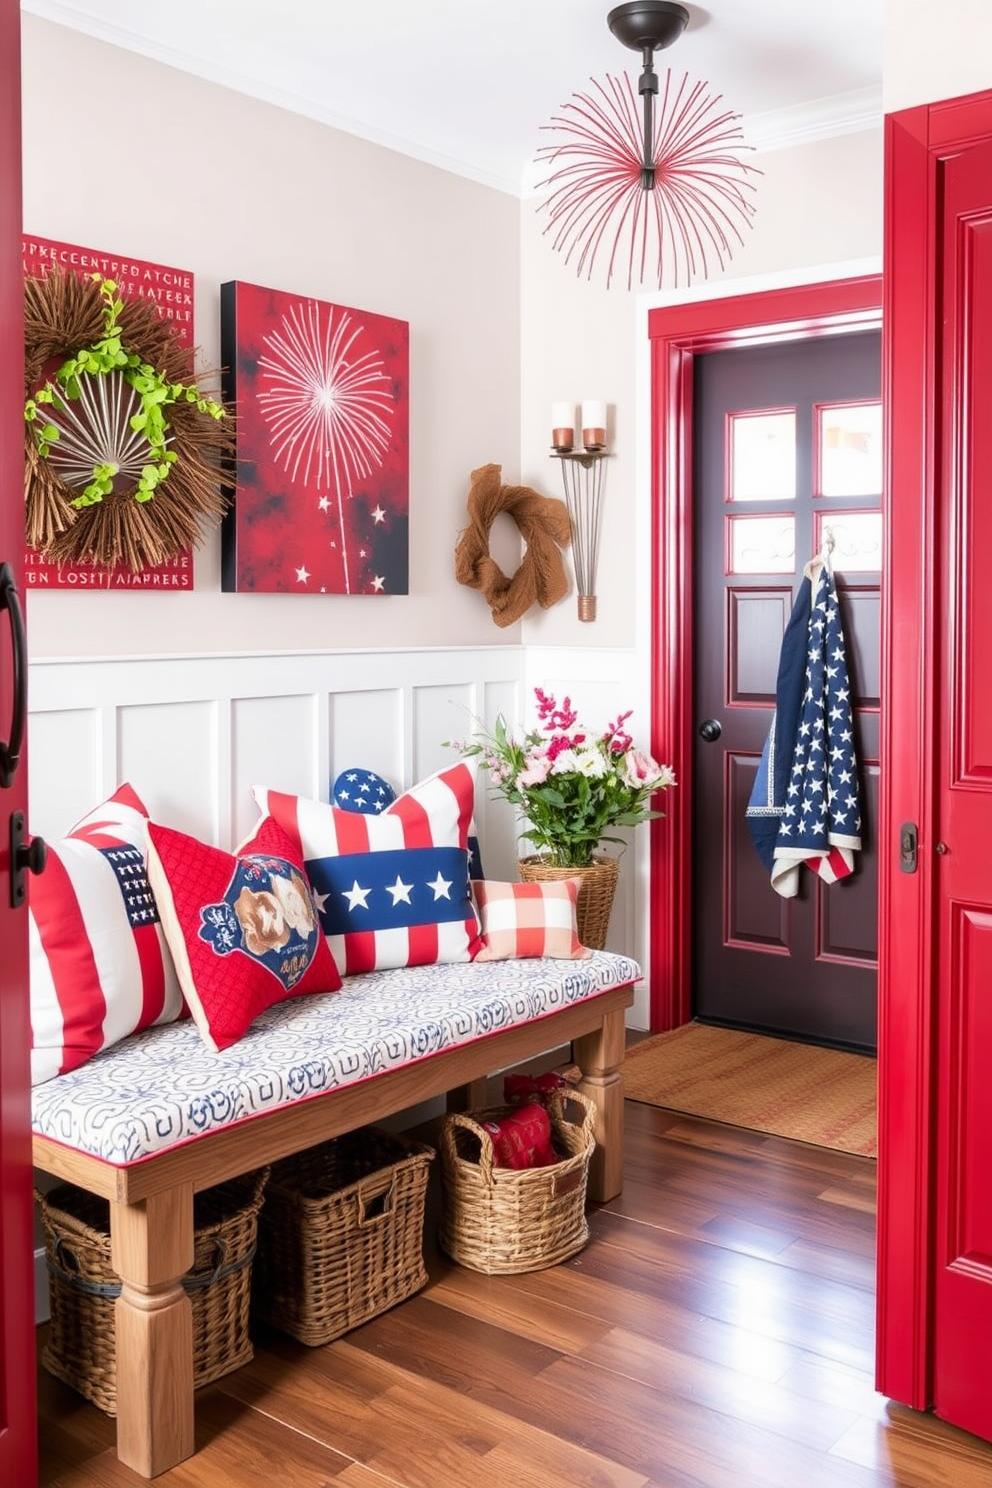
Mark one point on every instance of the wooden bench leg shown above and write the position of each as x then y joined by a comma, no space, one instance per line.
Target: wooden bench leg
152,1249
599,1056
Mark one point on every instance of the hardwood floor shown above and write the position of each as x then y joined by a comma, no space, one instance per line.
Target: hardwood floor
717,1332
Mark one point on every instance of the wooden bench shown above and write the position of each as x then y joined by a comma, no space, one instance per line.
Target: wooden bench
151,1200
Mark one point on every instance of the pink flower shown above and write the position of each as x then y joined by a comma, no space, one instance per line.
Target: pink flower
551,716
641,772
616,738
535,771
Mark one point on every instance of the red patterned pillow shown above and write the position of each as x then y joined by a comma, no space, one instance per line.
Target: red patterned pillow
393,889
528,919
242,927
100,967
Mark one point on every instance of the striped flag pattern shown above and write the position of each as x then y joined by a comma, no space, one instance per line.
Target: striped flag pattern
100,967
392,889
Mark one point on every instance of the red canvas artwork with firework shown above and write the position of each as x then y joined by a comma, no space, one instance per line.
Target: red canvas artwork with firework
321,495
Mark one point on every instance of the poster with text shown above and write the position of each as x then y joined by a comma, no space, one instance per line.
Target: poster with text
321,396
171,290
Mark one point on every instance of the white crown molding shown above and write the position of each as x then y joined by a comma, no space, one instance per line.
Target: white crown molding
776,129
75,18
820,118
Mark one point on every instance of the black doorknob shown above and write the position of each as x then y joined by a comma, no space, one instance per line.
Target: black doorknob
25,857
710,730
33,855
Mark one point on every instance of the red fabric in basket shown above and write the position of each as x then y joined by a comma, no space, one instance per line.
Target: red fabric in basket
522,1139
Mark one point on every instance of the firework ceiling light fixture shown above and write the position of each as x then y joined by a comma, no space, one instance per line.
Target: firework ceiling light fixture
666,189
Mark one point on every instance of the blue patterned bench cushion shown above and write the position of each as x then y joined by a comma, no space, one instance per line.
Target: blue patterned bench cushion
163,1087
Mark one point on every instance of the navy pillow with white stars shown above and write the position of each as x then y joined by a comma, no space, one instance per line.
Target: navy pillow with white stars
363,791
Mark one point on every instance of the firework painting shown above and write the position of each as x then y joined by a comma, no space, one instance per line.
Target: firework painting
321,395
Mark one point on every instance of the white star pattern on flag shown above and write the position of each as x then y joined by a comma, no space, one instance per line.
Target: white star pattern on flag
828,829
357,897
441,887
400,891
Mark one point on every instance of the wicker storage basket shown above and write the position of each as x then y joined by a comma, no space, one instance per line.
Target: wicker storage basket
595,897
506,1220
83,1286
341,1238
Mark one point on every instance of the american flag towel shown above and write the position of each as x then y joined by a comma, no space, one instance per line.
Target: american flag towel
804,804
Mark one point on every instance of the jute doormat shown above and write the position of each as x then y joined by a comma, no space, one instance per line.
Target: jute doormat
823,1096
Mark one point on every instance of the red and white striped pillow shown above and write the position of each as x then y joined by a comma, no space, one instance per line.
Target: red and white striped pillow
528,919
100,967
393,889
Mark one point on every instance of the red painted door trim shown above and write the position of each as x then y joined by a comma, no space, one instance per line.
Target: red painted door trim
18,1426
916,143
677,334
905,1011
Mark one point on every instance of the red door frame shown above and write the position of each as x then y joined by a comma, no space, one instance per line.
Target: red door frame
905,988
677,334
916,142
18,1425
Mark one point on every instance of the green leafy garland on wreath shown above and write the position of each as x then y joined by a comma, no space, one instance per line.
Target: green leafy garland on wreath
84,501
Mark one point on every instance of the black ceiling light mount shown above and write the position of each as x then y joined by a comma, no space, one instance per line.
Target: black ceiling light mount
648,26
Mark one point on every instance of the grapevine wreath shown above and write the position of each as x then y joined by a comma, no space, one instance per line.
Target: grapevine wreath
543,524
121,451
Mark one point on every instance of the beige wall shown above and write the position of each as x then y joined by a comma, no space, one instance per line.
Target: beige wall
816,204
934,51
166,167
500,327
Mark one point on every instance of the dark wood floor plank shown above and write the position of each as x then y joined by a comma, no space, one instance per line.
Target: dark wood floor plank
717,1332
915,1452
691,1334
737,1392
491,1300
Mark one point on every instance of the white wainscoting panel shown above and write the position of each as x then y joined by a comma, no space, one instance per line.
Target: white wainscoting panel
193,734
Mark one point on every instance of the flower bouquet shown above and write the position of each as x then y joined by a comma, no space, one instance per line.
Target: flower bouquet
572,787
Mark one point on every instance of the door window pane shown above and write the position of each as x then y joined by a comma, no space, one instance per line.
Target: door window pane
857,540
850,449
762,544
762,448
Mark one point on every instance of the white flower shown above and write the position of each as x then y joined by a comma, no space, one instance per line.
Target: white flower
565,763
589,762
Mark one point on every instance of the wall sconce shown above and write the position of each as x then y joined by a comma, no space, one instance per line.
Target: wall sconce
583,477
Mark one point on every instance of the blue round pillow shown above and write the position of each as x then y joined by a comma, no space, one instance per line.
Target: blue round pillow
362,790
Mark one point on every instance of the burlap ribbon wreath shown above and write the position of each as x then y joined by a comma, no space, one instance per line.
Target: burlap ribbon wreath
545,528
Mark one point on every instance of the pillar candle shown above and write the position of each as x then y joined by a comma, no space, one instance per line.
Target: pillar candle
562,425
593,423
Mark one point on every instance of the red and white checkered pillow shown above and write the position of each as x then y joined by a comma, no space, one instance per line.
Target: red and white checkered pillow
100,967
392,889
242,926
528,919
